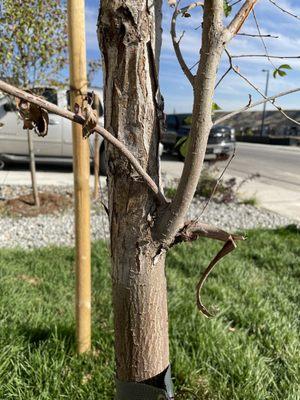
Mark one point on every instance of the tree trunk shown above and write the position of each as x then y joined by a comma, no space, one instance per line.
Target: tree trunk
130,37
96,105
35,193
96,167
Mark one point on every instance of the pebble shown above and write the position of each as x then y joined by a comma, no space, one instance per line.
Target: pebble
58,230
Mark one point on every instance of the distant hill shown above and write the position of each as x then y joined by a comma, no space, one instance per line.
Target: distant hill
275,122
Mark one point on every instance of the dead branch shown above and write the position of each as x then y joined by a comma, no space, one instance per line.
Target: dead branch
257,103
194,230
52,108
228,247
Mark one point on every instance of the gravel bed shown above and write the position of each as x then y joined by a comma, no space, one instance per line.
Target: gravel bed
46,230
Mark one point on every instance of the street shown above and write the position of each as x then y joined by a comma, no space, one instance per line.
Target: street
277,188
277,165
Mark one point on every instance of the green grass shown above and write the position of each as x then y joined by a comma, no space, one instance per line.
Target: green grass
251,201
250,351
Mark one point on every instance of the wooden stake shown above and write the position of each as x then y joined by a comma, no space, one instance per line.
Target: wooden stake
35,193
81,167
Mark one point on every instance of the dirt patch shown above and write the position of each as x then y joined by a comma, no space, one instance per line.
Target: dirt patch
30,279
50,203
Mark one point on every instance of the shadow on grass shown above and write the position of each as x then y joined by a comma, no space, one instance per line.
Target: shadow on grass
37,336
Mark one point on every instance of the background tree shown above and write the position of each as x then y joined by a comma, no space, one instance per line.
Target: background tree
33,48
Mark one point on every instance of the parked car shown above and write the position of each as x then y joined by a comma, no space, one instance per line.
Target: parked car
56,147
221,140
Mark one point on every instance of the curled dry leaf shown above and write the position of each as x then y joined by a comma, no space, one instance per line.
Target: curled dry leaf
34,117
90,116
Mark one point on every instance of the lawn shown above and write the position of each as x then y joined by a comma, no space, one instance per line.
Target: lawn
250,351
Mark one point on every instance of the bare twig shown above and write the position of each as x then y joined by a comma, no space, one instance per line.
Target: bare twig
5,87
257,36
264,56
269,99
262,39
223,76
235,69
217,183
194,65
284,10
176,42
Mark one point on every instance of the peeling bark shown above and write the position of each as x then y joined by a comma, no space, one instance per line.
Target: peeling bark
130,37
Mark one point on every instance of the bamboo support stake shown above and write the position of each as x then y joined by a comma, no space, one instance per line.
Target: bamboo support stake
35,193
81,167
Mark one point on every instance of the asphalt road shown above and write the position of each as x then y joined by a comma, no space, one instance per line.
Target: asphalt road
277,165
277,188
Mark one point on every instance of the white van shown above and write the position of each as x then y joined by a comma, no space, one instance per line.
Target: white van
56,147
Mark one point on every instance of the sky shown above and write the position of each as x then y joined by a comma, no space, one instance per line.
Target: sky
233,93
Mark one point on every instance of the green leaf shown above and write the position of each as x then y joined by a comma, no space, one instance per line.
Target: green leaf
181,141
227,8
285,66
278,71
215,107
184,147
281,73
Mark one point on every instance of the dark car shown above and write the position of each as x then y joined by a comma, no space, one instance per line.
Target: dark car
221,140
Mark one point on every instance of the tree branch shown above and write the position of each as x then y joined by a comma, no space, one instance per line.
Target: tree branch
235,69
257,36
52,108
193,230
284,10
212,46
258,103
176,42
241,17
264,56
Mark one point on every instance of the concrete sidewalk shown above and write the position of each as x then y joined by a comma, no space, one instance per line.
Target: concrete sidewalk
56,178
278,199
